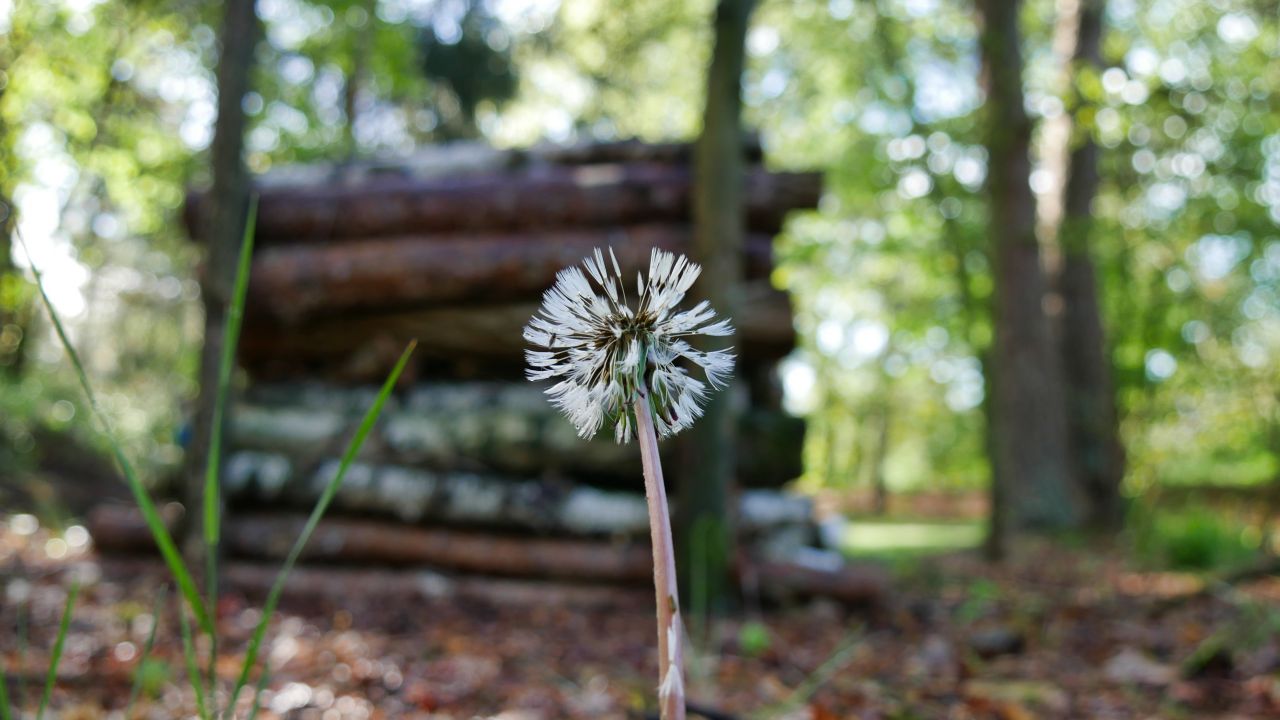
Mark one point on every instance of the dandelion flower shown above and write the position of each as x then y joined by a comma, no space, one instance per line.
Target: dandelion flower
605,353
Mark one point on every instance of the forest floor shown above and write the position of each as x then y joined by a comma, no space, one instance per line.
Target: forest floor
1054,633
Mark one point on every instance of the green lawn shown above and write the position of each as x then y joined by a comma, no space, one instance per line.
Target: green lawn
896,538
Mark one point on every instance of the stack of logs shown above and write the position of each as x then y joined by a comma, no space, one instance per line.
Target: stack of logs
454,248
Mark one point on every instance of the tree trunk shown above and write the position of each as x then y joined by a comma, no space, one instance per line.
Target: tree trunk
1091,406
880,489
14,326
14,316
1030,438
704,524
224,217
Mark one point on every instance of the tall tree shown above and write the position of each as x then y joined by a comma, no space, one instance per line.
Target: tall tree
704,529
1091,408
224,226
13,293
1029,438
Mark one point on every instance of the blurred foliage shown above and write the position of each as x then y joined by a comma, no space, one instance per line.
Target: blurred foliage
108,106
106,111
754,639
1196,538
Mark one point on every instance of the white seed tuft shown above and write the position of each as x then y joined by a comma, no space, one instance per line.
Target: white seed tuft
599,348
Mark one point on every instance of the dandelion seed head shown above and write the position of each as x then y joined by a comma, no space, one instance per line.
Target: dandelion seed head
602,351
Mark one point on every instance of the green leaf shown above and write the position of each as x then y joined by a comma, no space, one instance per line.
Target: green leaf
353,448
230,338
52,675
164,541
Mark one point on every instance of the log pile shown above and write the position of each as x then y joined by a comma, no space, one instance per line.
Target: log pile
455,248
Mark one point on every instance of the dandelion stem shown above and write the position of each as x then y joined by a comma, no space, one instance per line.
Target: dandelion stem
670,628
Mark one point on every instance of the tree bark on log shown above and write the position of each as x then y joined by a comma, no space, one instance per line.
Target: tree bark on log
852,584
292,283
1091,403
1030,438
637,151
120,530
257,479
477,341
536,198
483,427
347,541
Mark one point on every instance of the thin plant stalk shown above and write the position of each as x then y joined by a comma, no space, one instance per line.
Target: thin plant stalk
52,675
257,692
838,660
317,512
146,653
212,501
670,629
24,621
5,713
193,670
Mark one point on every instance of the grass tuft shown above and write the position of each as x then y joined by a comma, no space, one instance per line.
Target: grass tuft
164,541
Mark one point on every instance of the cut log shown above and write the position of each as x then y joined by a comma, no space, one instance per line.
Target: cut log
255,479
120,529
311,586
466,341
337,584
347,541
635,151
853,584
294,282
482,427
535,198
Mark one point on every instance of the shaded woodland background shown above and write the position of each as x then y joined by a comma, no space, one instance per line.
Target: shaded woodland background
1152,176
1039,297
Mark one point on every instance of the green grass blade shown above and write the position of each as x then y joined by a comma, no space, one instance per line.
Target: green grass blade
52,675
257,692
230,337
164,541
212,502
841,657
189,655
146,653
5,712
24,620
353,448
